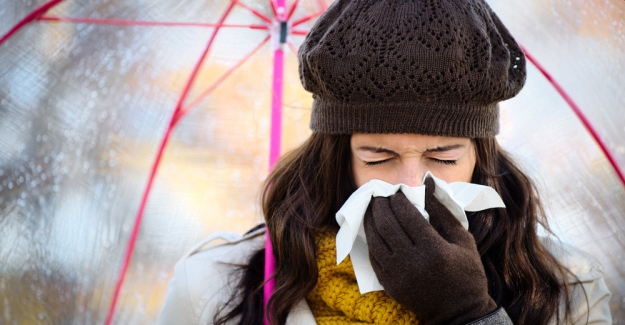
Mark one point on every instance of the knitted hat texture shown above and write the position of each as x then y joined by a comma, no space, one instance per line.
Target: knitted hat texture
410,66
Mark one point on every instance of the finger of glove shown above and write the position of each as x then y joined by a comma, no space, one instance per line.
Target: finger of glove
412,221
387,225
377,267
443,220
377,245
378,248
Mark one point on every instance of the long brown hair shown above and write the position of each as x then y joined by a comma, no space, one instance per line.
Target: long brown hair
523,276
311,183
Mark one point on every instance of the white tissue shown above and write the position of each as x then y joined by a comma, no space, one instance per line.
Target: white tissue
458,197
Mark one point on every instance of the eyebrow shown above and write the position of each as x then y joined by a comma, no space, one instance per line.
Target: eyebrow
446,148
378,150
391,152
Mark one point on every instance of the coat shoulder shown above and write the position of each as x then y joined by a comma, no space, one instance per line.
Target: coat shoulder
583,266
224,248
590,294
205,277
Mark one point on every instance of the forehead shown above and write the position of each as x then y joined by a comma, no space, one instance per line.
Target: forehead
403,140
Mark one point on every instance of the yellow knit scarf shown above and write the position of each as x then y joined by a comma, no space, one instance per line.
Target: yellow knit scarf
337,300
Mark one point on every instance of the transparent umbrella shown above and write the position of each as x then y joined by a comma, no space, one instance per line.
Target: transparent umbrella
88,90
576,153
92,94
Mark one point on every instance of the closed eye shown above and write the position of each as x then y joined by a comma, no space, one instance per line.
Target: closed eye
373,163
444,162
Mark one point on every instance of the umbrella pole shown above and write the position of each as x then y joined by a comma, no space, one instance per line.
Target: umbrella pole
276,109
274,146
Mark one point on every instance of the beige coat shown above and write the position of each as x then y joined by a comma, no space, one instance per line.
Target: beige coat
200,284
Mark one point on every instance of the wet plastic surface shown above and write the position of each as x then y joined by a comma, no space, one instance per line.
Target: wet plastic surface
84,106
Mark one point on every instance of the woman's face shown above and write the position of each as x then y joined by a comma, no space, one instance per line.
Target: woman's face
405,158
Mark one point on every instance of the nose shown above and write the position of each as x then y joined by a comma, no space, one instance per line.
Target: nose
412,174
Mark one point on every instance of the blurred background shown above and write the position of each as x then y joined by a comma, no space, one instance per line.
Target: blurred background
83,108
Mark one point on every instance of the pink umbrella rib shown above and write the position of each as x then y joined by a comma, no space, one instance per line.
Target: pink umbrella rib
254,11
307,18
174,118
585,121
273,8
292,10
220,80
32,16
299,32
130,22
292,47
322,5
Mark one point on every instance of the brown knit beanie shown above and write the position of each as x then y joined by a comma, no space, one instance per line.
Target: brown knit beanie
436,67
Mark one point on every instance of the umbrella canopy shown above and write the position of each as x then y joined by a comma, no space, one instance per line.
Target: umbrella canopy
84,105
101,97
580,45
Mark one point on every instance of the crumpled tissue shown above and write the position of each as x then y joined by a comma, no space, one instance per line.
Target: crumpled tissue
458,197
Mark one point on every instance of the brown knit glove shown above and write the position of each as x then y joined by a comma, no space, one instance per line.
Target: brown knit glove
433,269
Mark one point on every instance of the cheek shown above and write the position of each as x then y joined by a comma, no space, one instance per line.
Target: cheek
466,173
450,174
359,173
468,167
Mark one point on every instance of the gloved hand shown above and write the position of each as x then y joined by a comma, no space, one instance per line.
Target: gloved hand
433,269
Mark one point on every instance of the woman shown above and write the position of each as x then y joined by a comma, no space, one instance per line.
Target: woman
400,88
